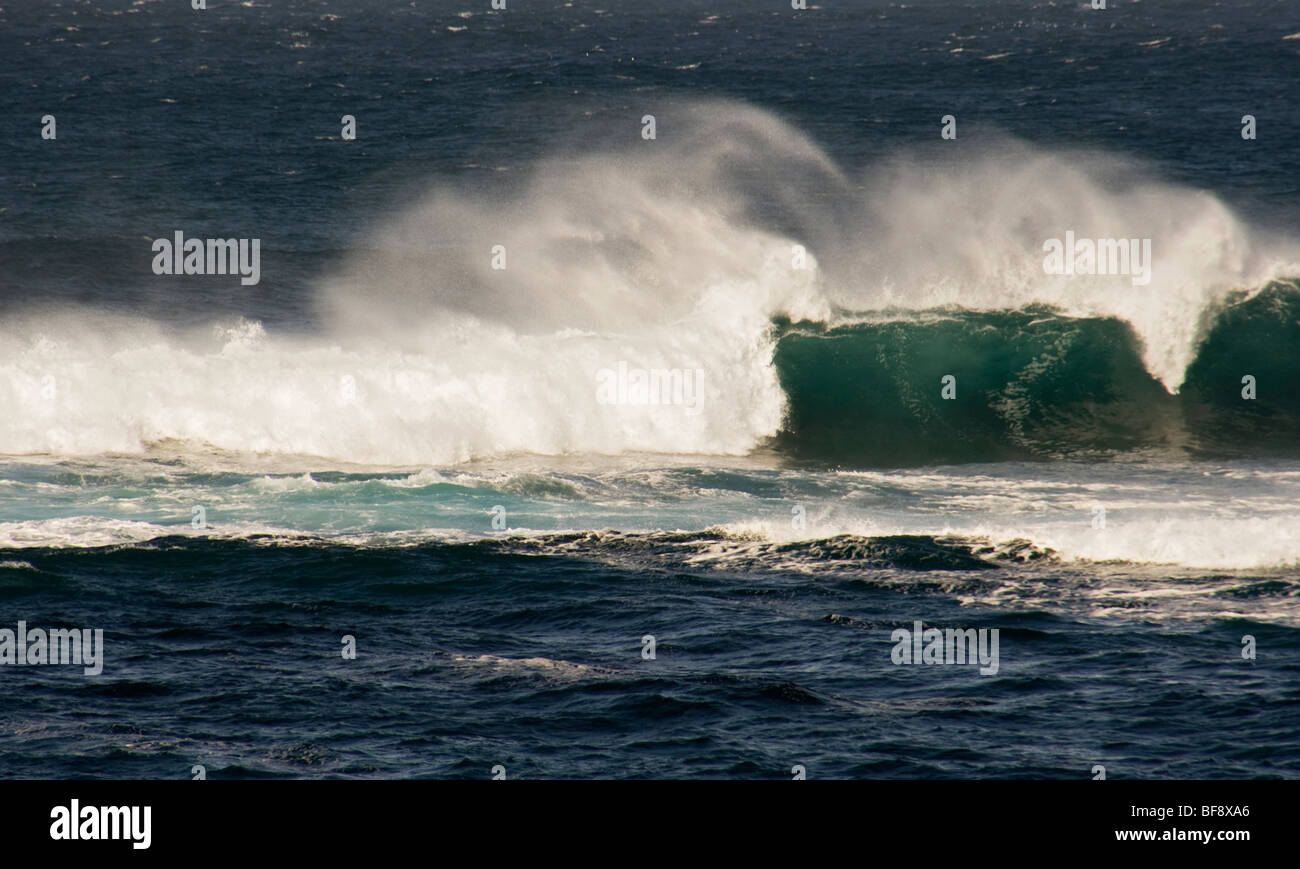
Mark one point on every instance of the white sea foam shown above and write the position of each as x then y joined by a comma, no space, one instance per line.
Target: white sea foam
659,257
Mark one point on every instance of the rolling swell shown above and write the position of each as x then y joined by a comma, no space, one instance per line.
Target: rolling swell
1033,384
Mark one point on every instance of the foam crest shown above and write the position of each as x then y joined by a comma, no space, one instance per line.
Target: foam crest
671,255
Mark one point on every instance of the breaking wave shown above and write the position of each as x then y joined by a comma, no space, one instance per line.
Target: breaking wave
681,254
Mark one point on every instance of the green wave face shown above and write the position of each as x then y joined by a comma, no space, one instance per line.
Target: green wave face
1031,384
1260,338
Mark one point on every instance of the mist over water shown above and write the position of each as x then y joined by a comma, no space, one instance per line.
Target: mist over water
676,253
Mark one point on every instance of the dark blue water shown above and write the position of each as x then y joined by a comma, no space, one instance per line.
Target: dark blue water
370,514
227,654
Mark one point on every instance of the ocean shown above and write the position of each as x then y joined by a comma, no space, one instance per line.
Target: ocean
633,389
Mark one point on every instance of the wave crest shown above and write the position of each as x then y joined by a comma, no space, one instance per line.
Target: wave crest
665,255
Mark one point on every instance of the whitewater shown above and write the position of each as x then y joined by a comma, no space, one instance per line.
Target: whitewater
675,253
716,251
